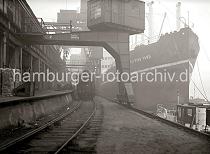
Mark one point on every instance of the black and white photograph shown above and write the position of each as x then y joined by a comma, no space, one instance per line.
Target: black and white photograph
104,77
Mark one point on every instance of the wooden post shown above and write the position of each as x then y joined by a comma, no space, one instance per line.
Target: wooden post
31,58
44,83
21,60
39,69
4,49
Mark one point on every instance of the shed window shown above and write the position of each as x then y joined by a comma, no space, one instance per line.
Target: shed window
179,112
189,112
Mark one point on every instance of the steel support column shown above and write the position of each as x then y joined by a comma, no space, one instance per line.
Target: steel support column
116,43
121,47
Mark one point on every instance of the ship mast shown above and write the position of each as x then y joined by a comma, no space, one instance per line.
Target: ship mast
150,20
178,16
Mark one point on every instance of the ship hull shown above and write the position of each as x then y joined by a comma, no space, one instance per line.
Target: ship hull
168,86
173,53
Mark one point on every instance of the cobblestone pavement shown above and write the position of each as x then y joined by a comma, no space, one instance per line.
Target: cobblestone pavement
127,132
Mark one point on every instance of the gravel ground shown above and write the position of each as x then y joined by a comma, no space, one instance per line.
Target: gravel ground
127,132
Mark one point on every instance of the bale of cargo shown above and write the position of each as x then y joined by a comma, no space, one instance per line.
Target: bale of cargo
17,78
7,82
120,15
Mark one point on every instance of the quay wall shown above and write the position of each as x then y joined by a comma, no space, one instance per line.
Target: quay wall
22,111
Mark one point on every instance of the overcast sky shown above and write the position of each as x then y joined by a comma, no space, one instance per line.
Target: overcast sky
199,16
47,9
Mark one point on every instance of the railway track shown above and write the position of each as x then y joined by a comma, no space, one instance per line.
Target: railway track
54,136
171,123
86,141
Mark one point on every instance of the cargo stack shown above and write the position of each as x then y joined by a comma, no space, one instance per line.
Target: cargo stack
17,79
8,83
117,15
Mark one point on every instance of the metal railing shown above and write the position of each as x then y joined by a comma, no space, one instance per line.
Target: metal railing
146,41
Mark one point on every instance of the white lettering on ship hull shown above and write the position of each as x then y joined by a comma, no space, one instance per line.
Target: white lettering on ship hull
162,66
141,59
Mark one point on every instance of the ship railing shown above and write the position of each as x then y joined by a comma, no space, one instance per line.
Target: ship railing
146,41
75,62
161,111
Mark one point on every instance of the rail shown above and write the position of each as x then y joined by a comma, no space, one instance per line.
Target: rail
35,131
171,123
78,131
19,142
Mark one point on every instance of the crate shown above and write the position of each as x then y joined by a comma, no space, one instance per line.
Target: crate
120,15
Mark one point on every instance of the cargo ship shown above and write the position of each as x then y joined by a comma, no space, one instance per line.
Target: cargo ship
164,67
173,54
169,63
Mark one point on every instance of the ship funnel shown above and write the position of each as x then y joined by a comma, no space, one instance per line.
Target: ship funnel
150,19
178,16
